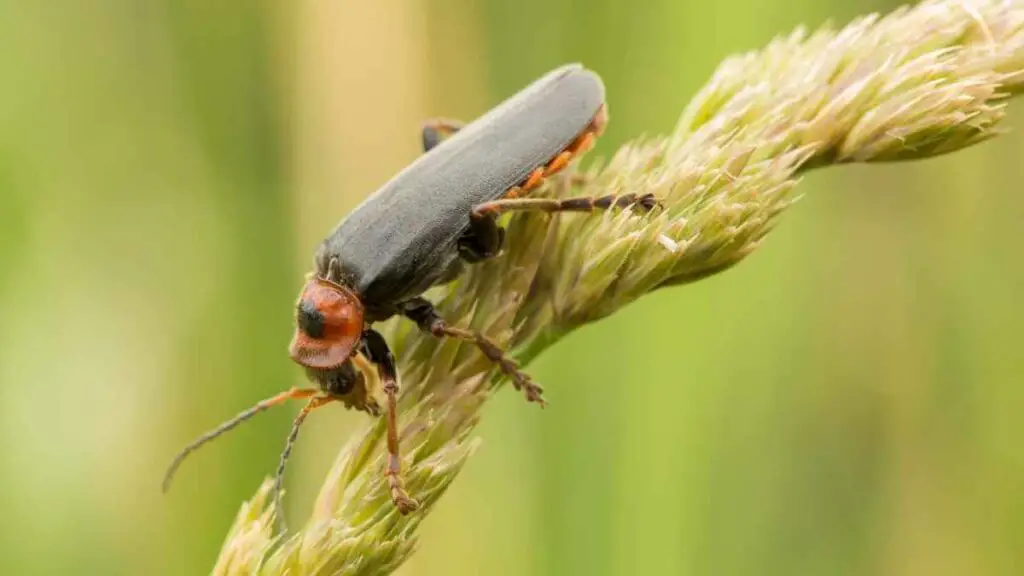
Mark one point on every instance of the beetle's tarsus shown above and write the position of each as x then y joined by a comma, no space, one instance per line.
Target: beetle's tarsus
648,202
422,312
520,380
402,501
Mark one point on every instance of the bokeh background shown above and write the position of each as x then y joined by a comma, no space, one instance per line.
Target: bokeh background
847,401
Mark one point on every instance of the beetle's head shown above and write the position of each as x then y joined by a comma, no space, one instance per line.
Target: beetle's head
329,325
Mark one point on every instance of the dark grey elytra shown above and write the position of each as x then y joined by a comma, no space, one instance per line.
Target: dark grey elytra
403,239
419,230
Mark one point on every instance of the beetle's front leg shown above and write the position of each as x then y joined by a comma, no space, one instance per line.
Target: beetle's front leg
422,312
376,351
437,129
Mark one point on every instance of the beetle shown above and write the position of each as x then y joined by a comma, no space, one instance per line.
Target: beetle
420,230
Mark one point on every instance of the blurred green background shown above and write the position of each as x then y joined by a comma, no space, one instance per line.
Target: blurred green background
847,401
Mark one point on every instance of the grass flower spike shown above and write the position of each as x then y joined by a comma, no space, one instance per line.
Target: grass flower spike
920,82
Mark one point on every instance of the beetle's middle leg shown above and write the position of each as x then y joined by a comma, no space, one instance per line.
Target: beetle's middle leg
422,312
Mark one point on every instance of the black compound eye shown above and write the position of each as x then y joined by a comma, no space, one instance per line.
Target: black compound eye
310,320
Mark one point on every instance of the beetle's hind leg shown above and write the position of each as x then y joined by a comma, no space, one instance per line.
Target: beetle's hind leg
437,129
422,312
645,202
515,199
485,237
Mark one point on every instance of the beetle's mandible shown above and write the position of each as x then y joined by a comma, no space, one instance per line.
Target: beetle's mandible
419,230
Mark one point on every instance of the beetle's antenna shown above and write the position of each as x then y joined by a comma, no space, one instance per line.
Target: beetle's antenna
293,393
313,404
